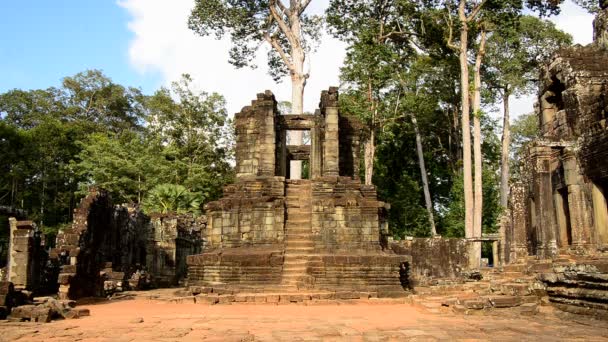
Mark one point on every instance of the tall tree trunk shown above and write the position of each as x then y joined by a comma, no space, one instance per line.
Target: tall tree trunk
370,145
425,182
506,141
478,208
466,127
298,82
369,155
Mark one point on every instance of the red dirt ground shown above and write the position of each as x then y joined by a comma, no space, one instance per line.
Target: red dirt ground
146,320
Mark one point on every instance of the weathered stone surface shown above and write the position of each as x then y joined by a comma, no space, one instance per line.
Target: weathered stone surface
319,233
560,205
112,248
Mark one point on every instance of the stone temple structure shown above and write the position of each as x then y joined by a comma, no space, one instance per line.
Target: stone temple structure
272,232
560,207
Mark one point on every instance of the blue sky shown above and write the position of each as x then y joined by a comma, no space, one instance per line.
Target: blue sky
146,44
42,41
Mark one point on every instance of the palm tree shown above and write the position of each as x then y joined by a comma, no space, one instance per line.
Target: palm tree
166,198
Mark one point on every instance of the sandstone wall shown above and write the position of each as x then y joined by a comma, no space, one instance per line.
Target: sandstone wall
345,215
251,213
433,258
242,267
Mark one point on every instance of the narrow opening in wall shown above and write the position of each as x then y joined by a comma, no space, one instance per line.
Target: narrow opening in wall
562,211
532,234
557,88
487,254
305,169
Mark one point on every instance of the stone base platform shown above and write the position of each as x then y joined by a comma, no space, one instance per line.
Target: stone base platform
264,270
221,296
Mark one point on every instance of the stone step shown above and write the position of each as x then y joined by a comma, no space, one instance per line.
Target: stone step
300,243
303,234
298,249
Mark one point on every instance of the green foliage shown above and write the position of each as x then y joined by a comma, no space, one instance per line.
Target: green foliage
126,165
592,6
171,198
523,130
515,54
54,143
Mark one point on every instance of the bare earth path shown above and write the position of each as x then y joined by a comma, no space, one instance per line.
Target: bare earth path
120,321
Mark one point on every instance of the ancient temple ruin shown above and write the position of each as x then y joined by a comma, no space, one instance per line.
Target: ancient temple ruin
270,231
560,205
111,248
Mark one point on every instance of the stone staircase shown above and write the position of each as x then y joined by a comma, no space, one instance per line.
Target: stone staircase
298,234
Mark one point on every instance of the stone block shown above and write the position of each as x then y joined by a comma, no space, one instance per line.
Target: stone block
476,304
225,299
23,312
504,301
207,299
42,314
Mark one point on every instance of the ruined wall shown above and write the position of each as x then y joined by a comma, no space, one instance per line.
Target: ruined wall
433,258
255,137
104,243
560,205
26,255
171,239
112,248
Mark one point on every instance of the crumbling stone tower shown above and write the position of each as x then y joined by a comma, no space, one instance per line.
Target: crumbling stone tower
560,206
270,231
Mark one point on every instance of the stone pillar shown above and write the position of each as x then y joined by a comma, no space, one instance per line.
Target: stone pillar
580,210
545,212
506,238
495,257
282,154
267,153
316,151
20,264
518,248
329,109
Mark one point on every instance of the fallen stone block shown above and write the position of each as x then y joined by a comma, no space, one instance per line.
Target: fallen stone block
528,309
476,304
77,313
225,299
504,301
42,314
23,312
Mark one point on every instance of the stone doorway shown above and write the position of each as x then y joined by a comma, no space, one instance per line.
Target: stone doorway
298,156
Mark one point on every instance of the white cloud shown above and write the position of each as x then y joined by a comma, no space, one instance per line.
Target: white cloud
163,43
